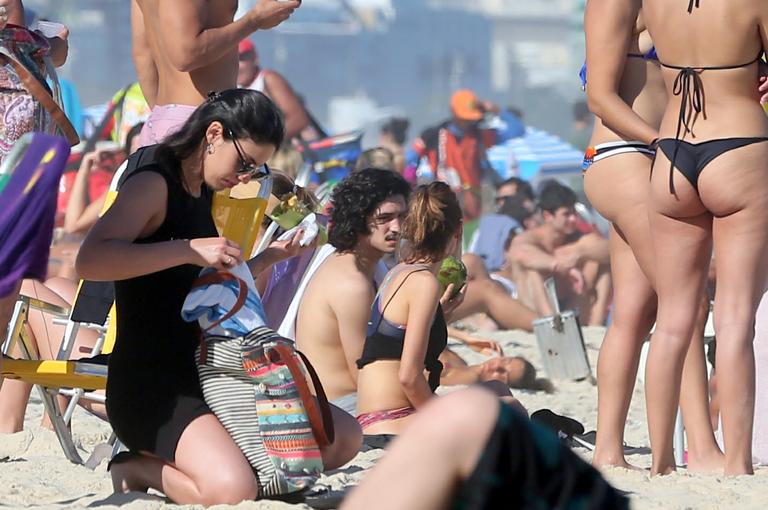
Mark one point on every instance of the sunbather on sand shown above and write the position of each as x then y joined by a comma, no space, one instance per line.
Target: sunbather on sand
368,209
556,248
153,242
467,450
407,330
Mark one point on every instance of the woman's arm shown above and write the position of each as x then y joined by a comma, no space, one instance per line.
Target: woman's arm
278,251
81,212
109,252
423,294
608,27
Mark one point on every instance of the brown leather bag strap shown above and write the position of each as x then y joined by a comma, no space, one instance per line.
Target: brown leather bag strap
320,417
42,96
325,407
221,277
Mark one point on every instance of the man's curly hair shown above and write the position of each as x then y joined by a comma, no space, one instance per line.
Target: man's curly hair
356,198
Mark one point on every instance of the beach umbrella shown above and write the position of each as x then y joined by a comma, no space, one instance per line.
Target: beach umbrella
535,156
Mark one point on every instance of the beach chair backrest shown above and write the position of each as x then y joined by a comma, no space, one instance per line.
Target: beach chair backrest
27,210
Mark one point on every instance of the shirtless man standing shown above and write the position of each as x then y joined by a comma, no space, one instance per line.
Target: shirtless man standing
184,49
368,207
557,249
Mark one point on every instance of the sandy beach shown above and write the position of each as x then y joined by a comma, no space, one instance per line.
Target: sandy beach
35,474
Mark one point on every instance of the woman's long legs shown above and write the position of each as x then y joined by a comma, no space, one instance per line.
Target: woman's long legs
684,246
14,395
633,316
740,250
704,454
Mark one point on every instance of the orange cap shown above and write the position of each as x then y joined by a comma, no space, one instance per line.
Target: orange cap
465,106
246,46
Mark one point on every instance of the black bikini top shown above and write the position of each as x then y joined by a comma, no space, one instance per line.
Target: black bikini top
690,88
385,339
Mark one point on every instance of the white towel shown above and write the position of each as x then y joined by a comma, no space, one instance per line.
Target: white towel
287,328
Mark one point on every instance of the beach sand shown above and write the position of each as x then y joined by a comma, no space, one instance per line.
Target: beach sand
35,474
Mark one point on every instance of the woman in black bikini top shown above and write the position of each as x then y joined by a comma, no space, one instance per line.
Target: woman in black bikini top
407,331
709,190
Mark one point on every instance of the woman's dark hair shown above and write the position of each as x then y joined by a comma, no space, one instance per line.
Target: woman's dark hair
243,113
356,198
434,216
398,128
132,133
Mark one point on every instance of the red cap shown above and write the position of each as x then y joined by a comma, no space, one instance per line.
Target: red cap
246,46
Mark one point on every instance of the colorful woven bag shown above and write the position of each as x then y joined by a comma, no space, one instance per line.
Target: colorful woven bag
256,386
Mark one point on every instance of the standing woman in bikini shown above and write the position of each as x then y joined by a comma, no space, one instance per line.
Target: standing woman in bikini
626,92
709,186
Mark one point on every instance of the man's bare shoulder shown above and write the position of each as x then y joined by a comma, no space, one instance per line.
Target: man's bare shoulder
529,237
340,277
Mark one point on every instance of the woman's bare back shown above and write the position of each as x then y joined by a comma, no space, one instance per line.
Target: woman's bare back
717,33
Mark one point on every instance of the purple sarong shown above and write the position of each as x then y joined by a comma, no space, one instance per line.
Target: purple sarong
27,211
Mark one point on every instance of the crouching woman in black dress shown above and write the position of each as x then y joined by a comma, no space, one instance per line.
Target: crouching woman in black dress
153,242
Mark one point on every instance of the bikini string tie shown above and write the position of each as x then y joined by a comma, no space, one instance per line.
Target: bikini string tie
689,87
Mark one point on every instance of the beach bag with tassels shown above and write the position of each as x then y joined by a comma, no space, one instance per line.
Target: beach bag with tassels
256,385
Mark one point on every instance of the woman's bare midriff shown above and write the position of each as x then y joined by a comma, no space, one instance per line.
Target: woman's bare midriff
378,387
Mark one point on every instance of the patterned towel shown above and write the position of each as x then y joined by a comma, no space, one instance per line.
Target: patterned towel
206,304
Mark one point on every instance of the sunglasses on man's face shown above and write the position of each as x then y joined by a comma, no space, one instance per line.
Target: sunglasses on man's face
255,171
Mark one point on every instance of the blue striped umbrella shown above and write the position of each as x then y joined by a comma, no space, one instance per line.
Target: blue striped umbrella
534,156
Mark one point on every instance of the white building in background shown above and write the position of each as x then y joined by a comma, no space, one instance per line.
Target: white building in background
540,38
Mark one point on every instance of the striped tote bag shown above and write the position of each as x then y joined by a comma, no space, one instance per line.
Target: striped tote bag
256,385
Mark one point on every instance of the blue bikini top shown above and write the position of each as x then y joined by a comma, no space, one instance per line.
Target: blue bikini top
651,55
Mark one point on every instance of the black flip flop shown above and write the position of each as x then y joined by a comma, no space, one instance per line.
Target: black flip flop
558,423
318,496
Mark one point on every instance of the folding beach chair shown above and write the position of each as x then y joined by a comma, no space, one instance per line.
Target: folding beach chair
27,208
81,379
239,220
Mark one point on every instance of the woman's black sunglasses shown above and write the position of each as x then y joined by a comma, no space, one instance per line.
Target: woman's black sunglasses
255,171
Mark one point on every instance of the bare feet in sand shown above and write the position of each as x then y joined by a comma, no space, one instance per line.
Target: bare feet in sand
614,461
711,463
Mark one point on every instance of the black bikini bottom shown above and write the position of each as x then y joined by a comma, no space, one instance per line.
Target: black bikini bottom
691,158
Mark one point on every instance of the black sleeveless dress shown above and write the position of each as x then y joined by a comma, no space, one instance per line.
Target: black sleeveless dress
153,391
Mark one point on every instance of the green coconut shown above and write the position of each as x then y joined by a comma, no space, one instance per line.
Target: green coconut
452,271
289,212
